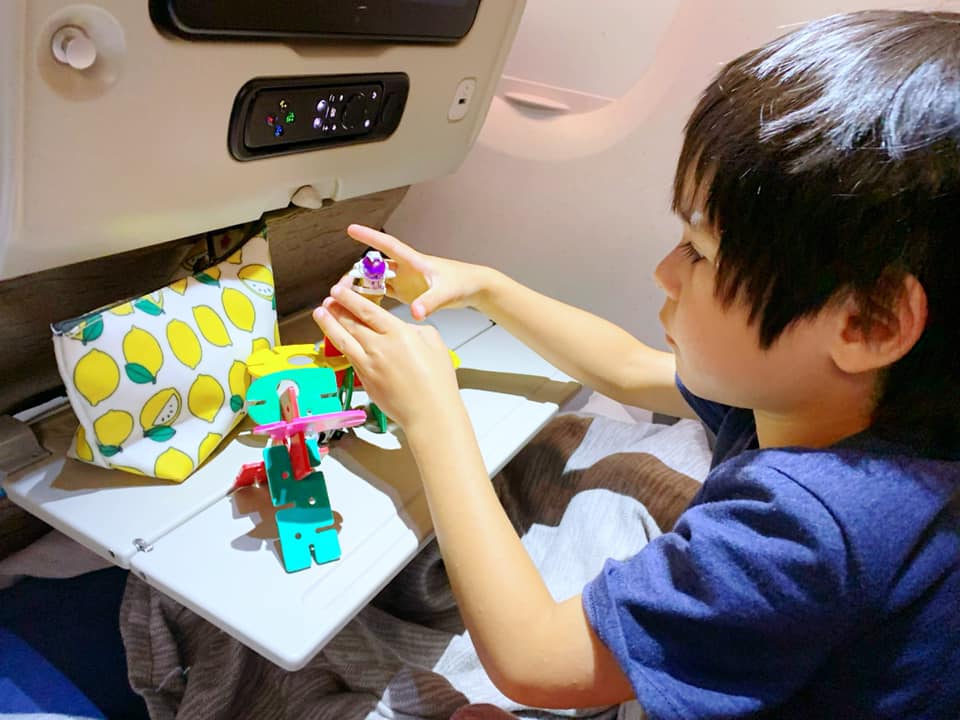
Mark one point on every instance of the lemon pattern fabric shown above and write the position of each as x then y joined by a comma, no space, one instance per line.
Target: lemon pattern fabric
157,382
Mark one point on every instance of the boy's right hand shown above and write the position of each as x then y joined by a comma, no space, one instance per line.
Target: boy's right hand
425,282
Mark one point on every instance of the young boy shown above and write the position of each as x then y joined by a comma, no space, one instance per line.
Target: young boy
811,310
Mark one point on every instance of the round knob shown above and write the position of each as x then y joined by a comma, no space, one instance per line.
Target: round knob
354,111
72,46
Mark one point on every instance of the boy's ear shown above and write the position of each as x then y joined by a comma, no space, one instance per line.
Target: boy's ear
861,347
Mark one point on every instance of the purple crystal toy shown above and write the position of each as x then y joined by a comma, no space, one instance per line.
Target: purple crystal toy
372,272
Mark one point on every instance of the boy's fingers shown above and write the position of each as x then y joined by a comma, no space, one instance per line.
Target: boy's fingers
428,302
365,310
338,335
387,244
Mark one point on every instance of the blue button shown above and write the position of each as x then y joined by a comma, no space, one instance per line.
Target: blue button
278,131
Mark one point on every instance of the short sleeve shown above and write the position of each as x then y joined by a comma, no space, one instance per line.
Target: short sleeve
733,611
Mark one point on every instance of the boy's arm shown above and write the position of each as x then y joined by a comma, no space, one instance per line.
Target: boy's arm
594,351
537,651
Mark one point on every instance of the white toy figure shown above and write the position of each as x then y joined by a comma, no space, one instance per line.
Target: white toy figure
372,272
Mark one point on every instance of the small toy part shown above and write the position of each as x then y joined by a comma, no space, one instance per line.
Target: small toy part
372,272
379,417
312,424
317,392
295,357
307,532
250,474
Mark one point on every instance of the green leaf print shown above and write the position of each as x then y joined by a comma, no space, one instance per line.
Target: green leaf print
109,450
160,433
148,306
139,374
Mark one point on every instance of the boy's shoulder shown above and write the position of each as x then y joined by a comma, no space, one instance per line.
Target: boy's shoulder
887,506
865,472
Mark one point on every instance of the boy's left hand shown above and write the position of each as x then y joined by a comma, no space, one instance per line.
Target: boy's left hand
406,369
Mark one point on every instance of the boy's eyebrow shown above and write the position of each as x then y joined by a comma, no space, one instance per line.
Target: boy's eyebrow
692,218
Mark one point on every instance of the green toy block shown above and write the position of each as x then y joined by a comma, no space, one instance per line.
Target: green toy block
280,477
304,537
310,492
318,394
379,416
313,451
346,390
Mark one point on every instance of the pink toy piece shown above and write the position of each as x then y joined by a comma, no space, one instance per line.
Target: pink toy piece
312,424
289,406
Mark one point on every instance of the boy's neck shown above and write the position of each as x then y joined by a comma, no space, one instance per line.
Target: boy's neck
814,427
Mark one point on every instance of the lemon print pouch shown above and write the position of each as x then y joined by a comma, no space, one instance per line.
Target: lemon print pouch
158,381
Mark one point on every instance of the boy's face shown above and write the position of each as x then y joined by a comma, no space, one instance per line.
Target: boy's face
718,350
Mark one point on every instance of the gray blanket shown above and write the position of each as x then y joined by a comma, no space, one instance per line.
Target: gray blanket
583,490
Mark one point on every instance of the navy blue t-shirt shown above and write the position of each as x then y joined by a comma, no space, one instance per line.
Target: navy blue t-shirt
799,583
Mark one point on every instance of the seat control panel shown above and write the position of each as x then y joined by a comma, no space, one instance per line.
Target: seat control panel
279,116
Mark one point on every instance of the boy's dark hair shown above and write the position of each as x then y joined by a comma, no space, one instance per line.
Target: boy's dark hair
829,162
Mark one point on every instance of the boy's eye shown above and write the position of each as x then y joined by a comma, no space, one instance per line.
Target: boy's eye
691,252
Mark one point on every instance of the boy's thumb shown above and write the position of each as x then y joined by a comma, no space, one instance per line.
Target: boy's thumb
425,304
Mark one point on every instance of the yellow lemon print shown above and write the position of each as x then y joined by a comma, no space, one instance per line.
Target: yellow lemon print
179,286
276,333
143,355
239,309
211,326
151,304
208,445
239,380
122,309
159,413
112,429
96,376
83,450
236,258
173,464
259,278
205,397
210,276
127,469
184,343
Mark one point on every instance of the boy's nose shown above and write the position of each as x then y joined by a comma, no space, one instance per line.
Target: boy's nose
666,275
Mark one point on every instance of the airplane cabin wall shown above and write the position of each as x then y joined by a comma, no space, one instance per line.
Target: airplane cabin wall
575,202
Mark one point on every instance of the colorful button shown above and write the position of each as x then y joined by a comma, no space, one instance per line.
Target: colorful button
283,104
291,117
271,119
278,131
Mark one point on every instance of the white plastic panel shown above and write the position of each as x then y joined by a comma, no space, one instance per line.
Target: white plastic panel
133,150
107,510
